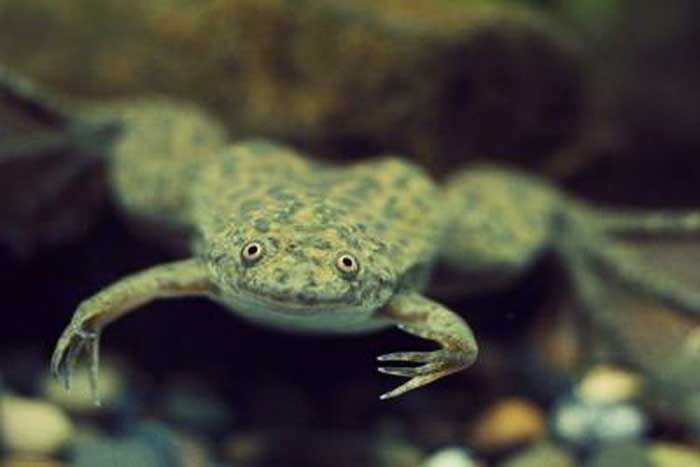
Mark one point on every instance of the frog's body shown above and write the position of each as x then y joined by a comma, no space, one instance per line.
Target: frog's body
305,217
277,238
300,245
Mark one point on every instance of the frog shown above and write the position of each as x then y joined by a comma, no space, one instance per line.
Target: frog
277,239
293,243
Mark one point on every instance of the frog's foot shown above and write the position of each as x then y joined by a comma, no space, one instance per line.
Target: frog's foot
435,365
421,317
75,340
180,278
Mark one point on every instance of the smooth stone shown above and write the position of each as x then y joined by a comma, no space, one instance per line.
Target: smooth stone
540,455
585,424
195,406
33,426
151,444
508,423
606,384
79,398
244,448
29,461
194,452
674,455
395,452
620,455
450,457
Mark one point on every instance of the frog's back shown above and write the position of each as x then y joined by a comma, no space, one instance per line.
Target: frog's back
396,201
272,188
502,219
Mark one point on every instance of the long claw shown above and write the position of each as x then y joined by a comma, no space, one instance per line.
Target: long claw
420,357
91,341
73,352
70,346
410,372
412,384
436,364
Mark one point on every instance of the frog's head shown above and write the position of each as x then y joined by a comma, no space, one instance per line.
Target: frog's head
301,258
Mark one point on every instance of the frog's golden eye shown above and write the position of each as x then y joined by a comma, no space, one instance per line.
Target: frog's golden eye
347,264
252,252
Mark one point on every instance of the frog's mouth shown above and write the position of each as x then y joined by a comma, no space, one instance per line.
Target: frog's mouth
289,304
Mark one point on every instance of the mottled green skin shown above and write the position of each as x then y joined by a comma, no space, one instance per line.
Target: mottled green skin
385,213
502,220
172,167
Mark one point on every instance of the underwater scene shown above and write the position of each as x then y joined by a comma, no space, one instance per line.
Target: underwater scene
350,233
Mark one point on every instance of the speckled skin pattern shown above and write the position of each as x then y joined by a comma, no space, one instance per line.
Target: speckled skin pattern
491,230
278,239
305,216
300,245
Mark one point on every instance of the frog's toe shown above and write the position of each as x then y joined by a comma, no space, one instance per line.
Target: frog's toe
420,357
413,383
436,364
70,346
410,372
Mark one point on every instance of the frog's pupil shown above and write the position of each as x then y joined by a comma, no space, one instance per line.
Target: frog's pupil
347,262
252,250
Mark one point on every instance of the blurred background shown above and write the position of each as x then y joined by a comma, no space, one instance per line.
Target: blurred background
598,96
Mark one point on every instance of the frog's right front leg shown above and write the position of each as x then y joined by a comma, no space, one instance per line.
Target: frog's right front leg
422,317
181,278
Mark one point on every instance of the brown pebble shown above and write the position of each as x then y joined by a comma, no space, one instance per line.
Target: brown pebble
508,423
540,455
29,461
243,448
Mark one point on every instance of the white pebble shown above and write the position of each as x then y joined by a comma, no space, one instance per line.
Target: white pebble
450,457
33,427
585,423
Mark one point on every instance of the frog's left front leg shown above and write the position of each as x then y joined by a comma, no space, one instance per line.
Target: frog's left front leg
179,278
425,318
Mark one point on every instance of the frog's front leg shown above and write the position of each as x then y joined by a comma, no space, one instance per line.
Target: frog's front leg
180,278
425,318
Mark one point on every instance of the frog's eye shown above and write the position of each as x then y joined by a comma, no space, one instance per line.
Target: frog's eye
252,252
347,264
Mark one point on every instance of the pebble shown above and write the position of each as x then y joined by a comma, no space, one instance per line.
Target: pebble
196,407
32,426
620,455
674,455
395,452
194,452
29,461
244,448
79,398
540,455
508,423
589,424
606,384
450,457
151,444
